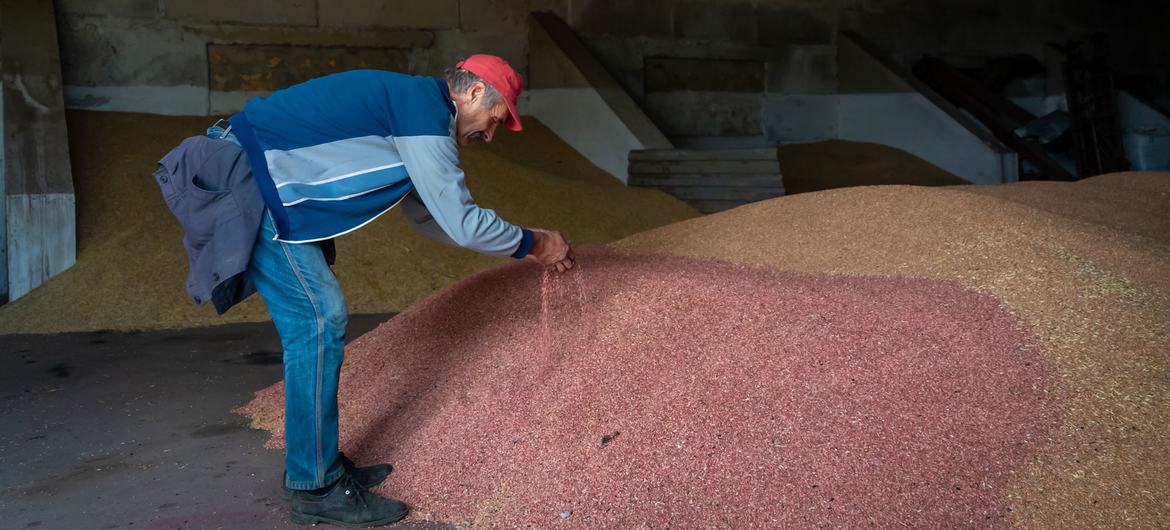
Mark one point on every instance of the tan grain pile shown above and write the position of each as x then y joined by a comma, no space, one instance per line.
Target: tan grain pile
1087,265
1130,202
131,267
840,164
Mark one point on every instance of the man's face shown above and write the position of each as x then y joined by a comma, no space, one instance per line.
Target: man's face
476,122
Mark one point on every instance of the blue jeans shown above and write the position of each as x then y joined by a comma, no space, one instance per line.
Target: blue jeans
308,308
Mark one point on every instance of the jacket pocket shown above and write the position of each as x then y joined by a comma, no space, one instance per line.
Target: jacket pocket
220,203
202,184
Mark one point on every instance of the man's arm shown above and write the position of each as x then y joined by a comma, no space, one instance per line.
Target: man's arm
422,220
433,165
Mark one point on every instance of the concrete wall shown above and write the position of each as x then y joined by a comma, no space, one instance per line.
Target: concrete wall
730,56
709,73
1145,134
199,57
38,208
3,199
796,41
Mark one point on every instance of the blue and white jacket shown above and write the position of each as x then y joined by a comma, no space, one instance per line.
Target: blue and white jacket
332,154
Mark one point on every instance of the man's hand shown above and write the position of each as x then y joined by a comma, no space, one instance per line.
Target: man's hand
550,249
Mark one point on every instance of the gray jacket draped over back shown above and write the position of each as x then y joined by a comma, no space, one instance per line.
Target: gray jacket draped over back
208,185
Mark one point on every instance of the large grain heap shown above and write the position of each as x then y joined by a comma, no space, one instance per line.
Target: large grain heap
873,356
131,268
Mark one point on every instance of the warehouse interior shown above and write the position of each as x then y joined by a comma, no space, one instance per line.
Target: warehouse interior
838,263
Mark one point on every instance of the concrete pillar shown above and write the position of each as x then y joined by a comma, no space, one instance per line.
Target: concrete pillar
38,206
568,87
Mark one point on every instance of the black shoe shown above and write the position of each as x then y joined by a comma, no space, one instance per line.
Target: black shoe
367,476
346,503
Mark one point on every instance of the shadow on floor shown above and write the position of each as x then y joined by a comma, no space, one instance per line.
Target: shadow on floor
132,430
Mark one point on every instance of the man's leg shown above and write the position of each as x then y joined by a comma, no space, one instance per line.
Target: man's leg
308,307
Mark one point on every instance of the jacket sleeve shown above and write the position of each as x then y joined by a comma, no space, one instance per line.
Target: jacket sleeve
422,220
433,165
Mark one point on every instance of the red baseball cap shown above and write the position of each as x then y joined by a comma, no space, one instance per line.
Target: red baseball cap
500,75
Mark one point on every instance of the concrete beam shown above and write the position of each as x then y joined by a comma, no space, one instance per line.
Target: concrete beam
504,17
402,38
431,14
623,17
39,233
291,12
715,21
110,8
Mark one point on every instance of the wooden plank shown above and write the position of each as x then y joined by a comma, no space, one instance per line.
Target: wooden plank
768,153
709,167
735,180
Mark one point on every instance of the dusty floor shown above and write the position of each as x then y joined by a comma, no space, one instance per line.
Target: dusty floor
90,438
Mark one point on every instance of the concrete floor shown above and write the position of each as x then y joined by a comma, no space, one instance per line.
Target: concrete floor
134,430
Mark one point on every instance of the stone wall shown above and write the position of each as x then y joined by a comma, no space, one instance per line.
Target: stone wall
700,68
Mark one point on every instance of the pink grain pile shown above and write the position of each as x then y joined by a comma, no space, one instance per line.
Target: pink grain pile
684,392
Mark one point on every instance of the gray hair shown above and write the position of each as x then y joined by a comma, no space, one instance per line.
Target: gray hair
461,80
